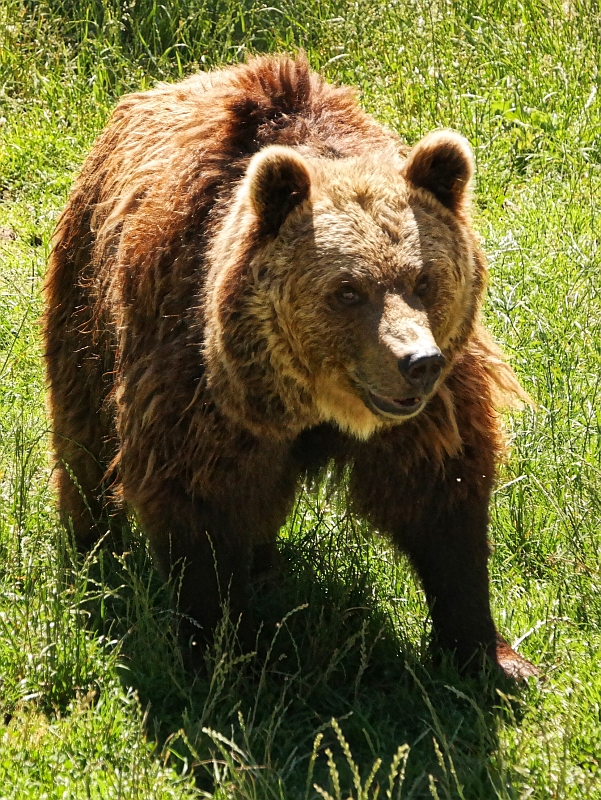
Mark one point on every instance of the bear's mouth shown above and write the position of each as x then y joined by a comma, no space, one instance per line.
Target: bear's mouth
393,406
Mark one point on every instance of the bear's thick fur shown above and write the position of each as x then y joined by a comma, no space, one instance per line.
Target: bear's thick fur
251,278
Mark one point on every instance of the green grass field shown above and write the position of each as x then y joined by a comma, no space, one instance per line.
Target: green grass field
96,702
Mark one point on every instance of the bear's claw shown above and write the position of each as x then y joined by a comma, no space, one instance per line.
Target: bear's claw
512,664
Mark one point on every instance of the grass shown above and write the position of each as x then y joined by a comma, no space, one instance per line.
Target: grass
95,700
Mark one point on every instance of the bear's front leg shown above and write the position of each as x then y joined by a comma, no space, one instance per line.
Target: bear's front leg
447,544
196,546
436,511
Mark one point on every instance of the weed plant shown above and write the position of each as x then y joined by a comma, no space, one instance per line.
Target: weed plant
95,700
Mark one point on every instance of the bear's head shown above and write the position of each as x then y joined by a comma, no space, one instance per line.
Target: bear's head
342,290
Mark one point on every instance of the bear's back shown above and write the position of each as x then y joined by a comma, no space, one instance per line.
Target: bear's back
158,179
189,143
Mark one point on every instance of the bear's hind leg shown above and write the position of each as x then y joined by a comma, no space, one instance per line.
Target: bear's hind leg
86,506
76,479
81,439
79,370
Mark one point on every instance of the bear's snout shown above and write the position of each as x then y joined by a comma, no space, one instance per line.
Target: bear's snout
422,368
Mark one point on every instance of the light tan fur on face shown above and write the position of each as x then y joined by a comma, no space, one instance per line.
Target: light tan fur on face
363,221
338,403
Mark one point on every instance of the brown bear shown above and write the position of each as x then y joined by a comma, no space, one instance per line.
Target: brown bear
253,278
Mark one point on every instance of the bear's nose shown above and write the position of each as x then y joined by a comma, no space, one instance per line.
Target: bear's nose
422,369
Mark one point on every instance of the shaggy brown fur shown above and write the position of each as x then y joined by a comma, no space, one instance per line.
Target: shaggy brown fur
252,277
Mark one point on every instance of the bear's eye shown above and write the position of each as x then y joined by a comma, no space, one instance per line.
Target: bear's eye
349,296
422,284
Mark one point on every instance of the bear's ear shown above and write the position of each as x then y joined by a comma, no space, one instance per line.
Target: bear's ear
442,163
278,181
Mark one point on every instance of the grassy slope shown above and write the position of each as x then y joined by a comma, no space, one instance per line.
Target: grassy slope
96,702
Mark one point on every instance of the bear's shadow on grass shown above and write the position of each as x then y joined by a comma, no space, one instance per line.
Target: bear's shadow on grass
328,648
